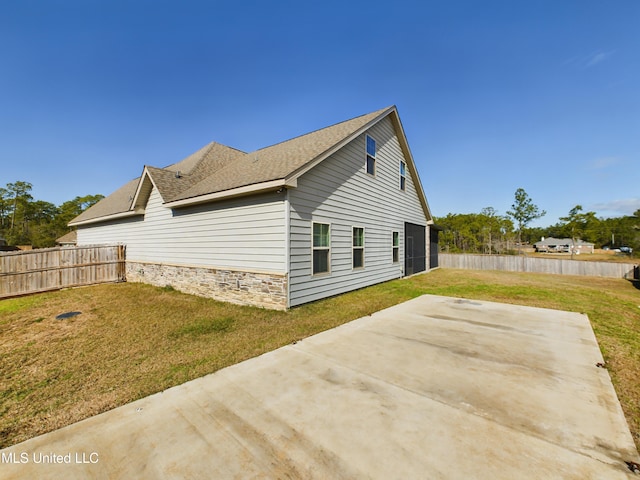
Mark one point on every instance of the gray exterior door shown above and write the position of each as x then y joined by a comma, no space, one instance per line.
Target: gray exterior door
414,248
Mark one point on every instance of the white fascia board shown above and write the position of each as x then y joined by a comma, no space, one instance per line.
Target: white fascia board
234,192
106,218
145,174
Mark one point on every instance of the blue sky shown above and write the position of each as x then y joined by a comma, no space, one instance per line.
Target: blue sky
493,95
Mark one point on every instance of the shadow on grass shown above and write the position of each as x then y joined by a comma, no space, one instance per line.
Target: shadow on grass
635,283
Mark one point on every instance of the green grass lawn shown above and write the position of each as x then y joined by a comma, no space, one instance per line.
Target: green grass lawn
132,340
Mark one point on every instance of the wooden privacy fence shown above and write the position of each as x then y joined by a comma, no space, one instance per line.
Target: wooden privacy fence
522,263
54,268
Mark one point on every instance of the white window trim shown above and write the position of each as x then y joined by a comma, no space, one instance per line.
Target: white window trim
374,156
364,242
313,248
402,162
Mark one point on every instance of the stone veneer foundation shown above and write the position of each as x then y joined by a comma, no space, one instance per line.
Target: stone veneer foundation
267,290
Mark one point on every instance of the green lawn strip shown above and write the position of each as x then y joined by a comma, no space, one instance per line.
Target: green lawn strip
133,340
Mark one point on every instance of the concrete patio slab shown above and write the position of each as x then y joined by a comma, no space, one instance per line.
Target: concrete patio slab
436,387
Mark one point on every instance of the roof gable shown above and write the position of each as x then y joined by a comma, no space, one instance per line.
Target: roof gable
278,161
132,198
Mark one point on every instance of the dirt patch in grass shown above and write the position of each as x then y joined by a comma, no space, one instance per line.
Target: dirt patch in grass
132,340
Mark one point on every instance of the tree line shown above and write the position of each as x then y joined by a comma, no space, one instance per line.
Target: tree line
488,232
25,221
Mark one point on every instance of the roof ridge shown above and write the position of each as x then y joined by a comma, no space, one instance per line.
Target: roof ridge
227,146
172,167
211,146
322,128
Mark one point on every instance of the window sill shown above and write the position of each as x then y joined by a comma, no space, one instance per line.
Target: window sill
321,274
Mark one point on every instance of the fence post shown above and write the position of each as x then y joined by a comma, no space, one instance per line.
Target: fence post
60,264
122,263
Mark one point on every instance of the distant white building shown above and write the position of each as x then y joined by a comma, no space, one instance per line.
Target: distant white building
563,245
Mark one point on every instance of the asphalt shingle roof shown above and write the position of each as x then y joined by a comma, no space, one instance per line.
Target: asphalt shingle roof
217,168
69,237
118,202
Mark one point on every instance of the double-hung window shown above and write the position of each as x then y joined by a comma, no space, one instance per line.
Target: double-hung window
403,175
371,156
358,247
321,248
396,247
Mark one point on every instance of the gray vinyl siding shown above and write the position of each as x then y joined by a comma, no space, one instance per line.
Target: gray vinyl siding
244,234
338,191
